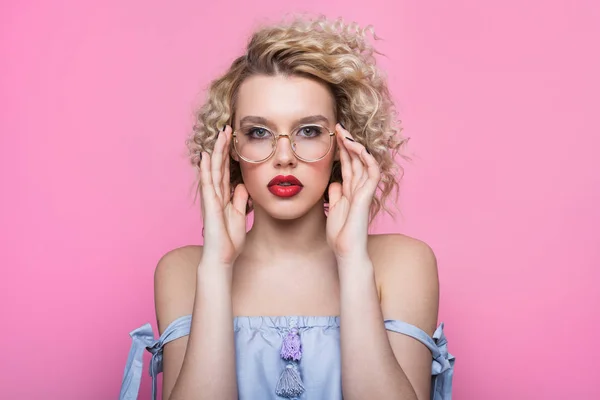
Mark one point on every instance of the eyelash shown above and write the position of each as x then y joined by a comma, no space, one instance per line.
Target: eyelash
251,131
317,130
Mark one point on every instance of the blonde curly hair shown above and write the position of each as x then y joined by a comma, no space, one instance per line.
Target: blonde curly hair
333,52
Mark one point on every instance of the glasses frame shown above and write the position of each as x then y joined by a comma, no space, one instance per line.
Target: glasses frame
277,136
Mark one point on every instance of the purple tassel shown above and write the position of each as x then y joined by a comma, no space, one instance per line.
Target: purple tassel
290,384
291,349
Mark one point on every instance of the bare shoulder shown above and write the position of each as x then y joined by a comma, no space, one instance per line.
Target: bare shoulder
175,284
407,277
401,252
174,293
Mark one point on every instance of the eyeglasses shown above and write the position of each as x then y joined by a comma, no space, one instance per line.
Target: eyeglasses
257,143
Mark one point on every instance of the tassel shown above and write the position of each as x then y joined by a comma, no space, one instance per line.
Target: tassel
291,349
290,384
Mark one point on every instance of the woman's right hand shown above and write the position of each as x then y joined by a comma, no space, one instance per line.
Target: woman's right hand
224,218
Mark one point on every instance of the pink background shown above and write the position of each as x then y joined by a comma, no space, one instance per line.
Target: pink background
498,97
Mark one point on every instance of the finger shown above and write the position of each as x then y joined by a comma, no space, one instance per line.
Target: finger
226,171
335,193
225,165
240,198
223,152
373,171
345,162
206,187
365,176
199,192
216,164
358,167
363,179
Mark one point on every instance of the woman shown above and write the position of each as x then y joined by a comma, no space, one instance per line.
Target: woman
300,130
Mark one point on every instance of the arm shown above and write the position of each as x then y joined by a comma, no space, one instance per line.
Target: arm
180,289
372,364
369,368
204,366
377,363
208,370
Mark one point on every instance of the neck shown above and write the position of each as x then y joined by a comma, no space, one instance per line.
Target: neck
287,238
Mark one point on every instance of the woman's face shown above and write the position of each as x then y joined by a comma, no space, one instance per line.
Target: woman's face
281,104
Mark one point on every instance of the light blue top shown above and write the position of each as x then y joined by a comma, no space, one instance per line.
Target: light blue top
258,342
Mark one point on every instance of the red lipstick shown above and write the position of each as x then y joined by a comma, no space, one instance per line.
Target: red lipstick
285,186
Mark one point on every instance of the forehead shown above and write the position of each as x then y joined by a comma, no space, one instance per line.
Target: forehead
283,99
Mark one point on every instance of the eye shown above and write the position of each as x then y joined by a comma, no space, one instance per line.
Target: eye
310,131
257,132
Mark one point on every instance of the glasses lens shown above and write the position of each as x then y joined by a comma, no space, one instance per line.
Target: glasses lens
311,142
254,143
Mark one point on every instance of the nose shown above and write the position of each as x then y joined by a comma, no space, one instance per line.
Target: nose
284,156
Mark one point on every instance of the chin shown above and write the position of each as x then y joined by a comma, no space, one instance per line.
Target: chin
287,209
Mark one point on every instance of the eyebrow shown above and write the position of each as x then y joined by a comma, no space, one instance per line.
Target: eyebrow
253,119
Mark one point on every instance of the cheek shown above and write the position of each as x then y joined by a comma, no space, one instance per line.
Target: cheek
255,177
321,170
250,173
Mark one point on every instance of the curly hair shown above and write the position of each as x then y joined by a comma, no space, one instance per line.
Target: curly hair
333,52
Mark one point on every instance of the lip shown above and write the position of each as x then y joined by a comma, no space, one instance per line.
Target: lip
294,187
291,179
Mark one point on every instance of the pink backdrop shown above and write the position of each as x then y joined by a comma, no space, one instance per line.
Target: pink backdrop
96,101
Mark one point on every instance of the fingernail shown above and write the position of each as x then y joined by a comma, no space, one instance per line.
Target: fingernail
350,139
342,125
224,126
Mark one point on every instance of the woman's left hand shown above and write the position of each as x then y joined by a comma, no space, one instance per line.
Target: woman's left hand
350,202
